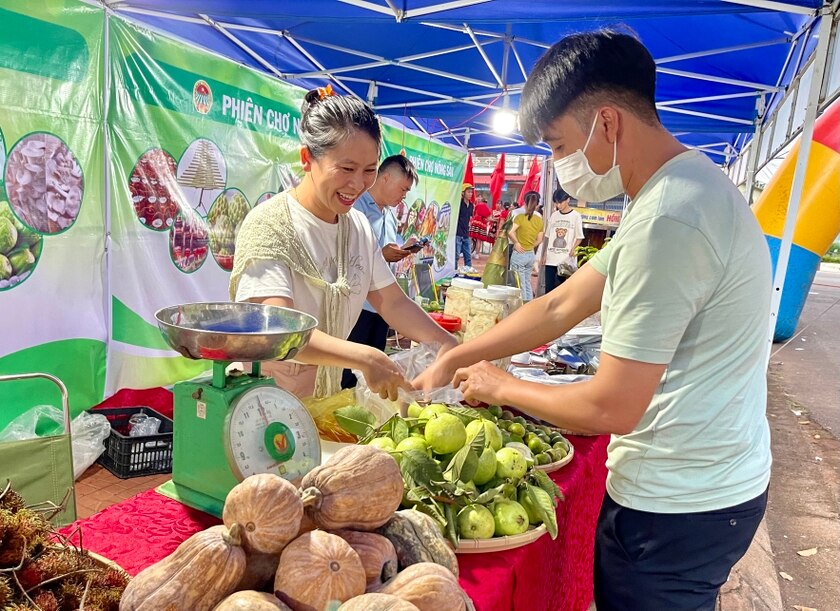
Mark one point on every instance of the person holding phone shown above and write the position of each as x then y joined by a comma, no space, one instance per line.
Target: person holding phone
395,178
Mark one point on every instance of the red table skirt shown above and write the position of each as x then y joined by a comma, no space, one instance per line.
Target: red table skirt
546,574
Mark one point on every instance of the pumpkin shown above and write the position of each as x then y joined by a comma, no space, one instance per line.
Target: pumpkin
377,602
259,571
306,525
317,568
202,571
417,538
269,509
428,586
359,487
378,556
251,600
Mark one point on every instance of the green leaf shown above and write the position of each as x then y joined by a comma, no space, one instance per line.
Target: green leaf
546,483
433,510
422,469
543,503
399,429
356,420
466,414
461,467
479,442
489,495
451,524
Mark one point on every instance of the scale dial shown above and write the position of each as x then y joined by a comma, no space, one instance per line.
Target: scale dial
267,430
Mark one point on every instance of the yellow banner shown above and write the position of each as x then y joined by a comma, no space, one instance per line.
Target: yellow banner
607,218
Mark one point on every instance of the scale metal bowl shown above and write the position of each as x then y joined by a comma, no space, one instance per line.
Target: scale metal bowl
235,331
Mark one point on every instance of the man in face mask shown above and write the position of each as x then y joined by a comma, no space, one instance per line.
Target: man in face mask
684,293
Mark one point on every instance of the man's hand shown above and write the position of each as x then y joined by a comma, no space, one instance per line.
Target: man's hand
483,383
394,253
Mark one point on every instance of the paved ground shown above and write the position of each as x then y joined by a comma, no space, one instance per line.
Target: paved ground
793,563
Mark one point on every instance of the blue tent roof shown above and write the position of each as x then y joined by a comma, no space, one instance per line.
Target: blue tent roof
436,65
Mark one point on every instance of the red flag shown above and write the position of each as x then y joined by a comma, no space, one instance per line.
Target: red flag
532,182
468,176
497,181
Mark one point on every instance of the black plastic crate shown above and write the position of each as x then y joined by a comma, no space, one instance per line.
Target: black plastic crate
126,456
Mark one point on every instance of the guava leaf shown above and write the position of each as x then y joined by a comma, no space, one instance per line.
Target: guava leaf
459,468
356,420
422,469
479,442
451,524
543,503
466,414
434,511
546,483
396,428
489,495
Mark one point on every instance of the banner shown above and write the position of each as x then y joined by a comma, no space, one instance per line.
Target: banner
607,219
195,142
431,207
51,195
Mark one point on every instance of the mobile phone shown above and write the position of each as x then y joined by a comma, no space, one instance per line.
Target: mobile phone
418,246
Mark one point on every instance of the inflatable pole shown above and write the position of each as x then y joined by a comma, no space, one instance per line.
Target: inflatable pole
817,221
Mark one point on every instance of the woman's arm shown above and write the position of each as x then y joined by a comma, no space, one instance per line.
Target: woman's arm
408,318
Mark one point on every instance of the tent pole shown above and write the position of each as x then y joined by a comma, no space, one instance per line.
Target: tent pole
755,149
798,186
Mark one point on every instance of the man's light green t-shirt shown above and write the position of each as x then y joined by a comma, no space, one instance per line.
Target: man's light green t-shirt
688,283
528,229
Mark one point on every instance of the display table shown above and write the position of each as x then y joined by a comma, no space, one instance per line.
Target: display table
546,574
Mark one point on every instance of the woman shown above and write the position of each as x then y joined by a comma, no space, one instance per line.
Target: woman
525,235
307,248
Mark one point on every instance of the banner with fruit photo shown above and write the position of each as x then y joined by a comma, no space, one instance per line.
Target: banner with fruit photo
51,203
431,207
195,142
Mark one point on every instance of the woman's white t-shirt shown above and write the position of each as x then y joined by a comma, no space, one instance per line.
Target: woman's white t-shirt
366,267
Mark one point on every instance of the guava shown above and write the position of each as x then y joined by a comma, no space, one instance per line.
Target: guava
486,467
510,518
476,522
6,269
8,235
530,509
414,409
412,443
432,409
510,463
445,433
492,434
383,443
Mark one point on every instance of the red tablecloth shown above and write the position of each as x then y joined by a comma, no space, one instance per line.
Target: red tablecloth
546,574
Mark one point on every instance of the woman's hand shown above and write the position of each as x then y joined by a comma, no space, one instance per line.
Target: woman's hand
483,383
518,248
383,376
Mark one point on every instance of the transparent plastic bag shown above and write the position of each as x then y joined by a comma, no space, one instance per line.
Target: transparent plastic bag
88,432
412,363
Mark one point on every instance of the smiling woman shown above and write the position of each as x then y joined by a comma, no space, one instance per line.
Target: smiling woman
307,248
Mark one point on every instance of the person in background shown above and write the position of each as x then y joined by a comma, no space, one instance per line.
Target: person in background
463,244
308,249
525,235
394,180
565,233
685,304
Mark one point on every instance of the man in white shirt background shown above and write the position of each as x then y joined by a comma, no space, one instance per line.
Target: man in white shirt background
564,231
395,178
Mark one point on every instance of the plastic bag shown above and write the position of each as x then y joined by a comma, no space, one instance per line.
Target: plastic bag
412,363
323,413
88,432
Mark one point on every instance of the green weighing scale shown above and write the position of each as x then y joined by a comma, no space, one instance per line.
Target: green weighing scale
232,425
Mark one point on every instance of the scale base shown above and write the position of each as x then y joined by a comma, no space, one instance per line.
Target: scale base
191,498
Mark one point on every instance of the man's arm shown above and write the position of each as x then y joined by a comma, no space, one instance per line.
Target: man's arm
612,402
557,312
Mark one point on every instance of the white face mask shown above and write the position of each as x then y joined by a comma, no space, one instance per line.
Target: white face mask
578,179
